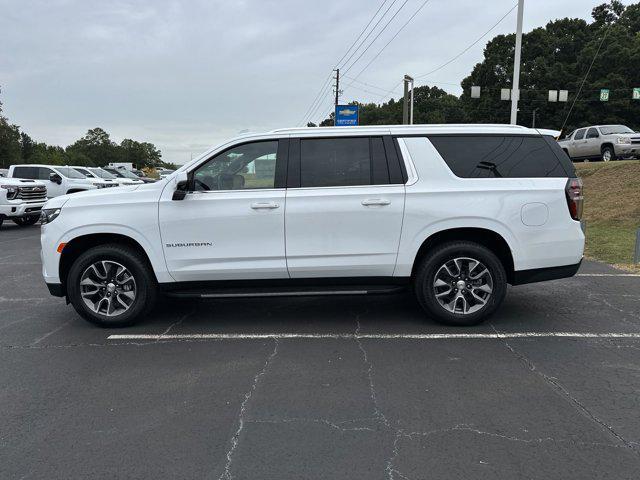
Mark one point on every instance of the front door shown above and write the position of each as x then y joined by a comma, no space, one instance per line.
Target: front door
343,216
579,144
231,225
53,189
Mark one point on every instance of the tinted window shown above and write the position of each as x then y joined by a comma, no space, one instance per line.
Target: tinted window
592,133
43,173
334,162
248,166
26,172
579,134
499,156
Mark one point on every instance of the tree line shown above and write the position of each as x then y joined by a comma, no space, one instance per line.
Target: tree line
94,149
554,57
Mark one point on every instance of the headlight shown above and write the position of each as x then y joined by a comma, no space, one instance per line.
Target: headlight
624,140
48,215
12,191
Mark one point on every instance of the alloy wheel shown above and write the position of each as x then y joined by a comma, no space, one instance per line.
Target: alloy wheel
463,285
108,288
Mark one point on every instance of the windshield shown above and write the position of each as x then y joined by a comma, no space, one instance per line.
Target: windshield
127,174
69,172
102,173
83,171
614,129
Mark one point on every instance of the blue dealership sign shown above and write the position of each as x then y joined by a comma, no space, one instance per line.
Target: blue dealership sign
346,115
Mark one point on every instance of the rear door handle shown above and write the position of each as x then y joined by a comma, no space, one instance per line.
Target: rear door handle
264,206
375,201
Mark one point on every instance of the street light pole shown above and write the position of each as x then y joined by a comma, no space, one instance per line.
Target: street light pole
407,110
515,93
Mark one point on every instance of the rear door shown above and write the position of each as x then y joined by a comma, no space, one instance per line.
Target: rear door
345,203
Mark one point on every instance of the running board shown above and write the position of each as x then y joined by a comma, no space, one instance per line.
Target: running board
294,292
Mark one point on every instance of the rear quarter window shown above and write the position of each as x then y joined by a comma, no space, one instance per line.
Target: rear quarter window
496,156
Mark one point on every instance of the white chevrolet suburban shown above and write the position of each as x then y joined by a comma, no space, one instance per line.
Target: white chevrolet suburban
453,212
58,180
21,200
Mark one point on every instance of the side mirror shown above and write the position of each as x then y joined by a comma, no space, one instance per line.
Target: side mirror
55,178
182,186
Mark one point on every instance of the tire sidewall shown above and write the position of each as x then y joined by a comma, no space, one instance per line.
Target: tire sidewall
613,154
144,285
447,252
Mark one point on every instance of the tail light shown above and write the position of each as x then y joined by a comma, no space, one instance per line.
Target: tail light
575,198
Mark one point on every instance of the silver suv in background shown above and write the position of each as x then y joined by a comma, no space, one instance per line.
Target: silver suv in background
601,142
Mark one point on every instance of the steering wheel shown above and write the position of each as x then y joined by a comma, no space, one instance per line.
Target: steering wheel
202,184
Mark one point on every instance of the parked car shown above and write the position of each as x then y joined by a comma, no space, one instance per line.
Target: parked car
4,172
58,180
452,212
122,173
21,200
601,142
99,174
164,172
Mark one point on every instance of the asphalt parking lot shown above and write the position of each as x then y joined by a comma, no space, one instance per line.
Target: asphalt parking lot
350,387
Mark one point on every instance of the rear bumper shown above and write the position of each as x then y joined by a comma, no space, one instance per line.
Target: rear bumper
522,277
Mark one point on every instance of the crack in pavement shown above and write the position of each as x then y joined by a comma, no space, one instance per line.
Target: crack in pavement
226,474
557,387
321,421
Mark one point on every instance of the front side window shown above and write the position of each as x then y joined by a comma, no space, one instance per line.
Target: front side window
592,133
44,173
579,134
335,162
245,167
69,172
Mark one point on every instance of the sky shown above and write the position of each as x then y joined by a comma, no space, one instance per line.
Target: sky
189,74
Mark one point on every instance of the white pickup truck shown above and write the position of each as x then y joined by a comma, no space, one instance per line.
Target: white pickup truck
21,200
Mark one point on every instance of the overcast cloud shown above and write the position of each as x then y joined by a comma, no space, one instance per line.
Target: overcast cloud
187,74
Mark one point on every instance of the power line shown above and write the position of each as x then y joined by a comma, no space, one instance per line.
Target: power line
317,97
393,38
376,37
470,46
393,2
361,33
586,75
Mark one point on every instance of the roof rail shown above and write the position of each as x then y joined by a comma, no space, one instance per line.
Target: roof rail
420,126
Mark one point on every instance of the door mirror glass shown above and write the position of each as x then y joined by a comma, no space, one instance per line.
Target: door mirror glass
55,178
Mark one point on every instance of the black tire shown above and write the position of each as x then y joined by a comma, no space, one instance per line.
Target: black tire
26,221
1,220
432,263
146,285
608,154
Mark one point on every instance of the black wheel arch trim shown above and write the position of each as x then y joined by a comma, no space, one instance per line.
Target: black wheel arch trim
522,277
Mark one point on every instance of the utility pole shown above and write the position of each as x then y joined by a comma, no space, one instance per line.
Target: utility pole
407,109
533,121
337,79
515,93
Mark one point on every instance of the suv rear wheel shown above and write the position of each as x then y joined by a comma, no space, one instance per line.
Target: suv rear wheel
460,283
111,286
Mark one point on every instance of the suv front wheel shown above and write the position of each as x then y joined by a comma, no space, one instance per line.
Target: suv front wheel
608,154
111,286
460,283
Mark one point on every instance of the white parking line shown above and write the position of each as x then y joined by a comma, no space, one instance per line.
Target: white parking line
377,336
608,275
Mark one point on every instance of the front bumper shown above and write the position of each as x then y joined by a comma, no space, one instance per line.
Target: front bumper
627,150
20,210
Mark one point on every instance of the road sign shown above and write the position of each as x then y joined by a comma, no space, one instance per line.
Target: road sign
553,95
563,95
475,92
505,94
604,95
346,115
636,93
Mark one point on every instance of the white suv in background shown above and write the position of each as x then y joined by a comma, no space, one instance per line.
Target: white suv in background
58,180
452,212
99,174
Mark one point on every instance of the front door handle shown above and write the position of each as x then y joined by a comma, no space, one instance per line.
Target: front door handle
375,201
264,206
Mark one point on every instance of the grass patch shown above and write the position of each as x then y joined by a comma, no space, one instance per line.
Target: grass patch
611,209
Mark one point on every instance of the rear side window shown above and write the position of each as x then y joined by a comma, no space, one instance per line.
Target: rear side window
25,172
335,162
494,156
